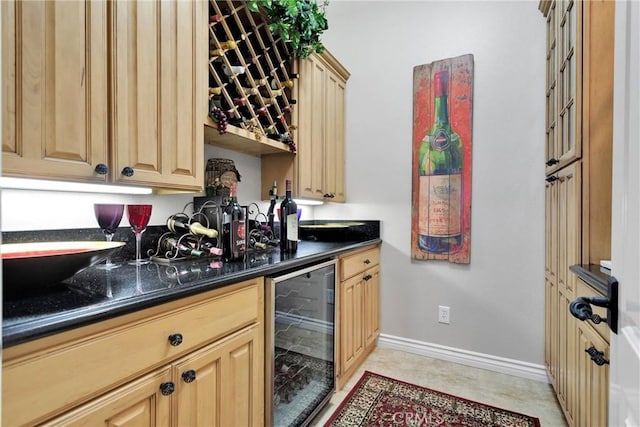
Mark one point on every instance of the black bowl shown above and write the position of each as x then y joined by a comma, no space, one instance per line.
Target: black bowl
41,264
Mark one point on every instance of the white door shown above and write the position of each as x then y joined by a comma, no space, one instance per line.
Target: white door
624,391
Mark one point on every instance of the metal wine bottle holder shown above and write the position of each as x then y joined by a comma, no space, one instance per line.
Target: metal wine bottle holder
165,252
258,235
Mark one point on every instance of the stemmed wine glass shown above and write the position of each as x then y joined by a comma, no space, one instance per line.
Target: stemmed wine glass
138,218
108,217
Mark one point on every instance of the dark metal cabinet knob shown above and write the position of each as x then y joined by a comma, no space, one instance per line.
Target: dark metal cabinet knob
367,277
552,162
167,388
189,376
175,339
127,171
367,261
329,195
551,178
101,169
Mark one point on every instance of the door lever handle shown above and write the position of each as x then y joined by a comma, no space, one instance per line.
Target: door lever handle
581,309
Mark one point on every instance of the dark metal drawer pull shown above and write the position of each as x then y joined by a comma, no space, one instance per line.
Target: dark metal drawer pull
597,356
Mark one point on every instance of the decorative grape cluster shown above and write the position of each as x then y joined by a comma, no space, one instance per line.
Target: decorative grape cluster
290,142
220,118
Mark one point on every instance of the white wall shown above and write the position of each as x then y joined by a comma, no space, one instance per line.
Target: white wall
497,301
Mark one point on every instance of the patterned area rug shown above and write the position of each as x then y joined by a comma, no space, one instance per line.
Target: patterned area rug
377,400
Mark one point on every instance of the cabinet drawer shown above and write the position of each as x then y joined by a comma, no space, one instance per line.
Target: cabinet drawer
584,290
58,377
353,264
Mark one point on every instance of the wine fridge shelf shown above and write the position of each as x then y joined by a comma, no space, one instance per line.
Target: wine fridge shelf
250,82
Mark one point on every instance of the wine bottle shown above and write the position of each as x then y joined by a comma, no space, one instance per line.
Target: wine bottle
288,222
440,169
210,248
171,245
232,70
233,229
215,90
195,228
275,84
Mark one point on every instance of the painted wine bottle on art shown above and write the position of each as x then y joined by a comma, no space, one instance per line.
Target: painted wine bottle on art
440,179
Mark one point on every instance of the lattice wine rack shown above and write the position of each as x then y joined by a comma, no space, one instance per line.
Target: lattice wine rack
250,77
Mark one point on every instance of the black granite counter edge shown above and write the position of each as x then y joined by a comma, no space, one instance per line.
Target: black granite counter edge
592,275
72,319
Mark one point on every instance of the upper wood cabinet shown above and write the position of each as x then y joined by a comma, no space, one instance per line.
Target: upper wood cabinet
563,88
55,89
118,84
317,170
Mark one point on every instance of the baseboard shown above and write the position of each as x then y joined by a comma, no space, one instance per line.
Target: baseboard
502,365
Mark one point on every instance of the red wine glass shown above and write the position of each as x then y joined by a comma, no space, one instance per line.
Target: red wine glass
138,218
109,217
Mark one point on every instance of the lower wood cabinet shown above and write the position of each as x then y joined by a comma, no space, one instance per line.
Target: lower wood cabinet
592,366
359,310
195,361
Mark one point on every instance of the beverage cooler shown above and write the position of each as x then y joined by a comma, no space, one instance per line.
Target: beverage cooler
300,344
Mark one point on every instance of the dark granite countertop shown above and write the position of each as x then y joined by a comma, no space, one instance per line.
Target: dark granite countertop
93,294
593,275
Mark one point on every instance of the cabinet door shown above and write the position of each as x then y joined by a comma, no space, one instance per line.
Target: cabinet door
139,403
551,330
564,93
371,305
157,101
334,143
567,359
312,125
54,79
223,384
593,380
351,321
568,213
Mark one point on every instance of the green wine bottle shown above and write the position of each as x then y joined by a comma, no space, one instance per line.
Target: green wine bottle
440,188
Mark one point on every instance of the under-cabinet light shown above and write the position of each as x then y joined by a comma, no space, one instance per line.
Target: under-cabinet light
47,185
307,202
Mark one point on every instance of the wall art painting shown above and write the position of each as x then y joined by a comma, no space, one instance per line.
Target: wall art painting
441,167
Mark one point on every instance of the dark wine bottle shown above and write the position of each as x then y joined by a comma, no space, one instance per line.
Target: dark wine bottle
288,222
233,229
440,170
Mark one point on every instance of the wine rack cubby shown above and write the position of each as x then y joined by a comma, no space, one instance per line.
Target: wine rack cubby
251,78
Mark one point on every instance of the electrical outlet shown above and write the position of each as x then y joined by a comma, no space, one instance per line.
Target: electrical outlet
443,314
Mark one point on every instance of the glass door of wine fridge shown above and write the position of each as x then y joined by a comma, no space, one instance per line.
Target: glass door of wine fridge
300,344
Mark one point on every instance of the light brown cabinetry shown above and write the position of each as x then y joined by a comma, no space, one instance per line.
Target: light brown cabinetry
592,378
55,89
579,82
105,92
85,375
359,310
317,170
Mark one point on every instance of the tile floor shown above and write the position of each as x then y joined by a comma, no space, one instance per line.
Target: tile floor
505,391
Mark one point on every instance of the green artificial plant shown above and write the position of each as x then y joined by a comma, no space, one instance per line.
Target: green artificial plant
299,22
